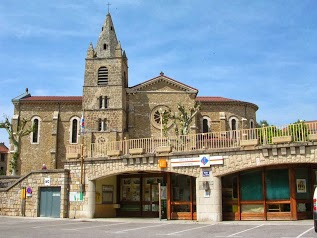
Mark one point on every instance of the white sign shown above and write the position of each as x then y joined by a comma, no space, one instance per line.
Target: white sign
202,161
179,162
47,181
74,196
214,160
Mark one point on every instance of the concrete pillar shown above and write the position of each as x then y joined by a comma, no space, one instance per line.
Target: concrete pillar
209,197
91,195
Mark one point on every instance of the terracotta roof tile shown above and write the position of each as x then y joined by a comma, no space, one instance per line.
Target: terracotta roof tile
224,100
3,149
215,99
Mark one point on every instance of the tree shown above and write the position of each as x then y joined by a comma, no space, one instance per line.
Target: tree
15,139
263,123
183,119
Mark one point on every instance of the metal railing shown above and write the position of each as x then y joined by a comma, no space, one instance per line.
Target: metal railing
298,132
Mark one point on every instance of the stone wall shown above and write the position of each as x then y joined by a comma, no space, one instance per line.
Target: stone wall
10,197
270,155
142,106
54,134
216,110
6,181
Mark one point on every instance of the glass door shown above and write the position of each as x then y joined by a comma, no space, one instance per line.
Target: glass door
150,203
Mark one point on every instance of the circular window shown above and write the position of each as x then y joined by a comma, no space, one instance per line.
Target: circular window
158,115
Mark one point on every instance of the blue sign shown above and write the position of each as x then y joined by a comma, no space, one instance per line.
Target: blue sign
204,160
205,173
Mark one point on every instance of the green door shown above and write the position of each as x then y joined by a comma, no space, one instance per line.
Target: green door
50,201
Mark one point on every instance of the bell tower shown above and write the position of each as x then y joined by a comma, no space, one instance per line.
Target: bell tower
105,83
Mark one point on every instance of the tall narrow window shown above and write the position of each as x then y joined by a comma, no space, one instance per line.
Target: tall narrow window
74,130
36,131
251,124
99,124
103,76
233,124
106,102
102,124
103,102
100,102
205,126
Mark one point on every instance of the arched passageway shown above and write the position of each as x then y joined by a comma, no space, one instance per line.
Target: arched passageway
270,193
136,194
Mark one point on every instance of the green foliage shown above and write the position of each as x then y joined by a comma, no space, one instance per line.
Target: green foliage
15,138
266,133
263,123
165,119
183,118
298,130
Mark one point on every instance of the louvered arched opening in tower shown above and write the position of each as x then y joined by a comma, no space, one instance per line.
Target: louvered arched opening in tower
103,76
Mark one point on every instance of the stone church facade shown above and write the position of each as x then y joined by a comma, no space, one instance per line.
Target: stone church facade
114,111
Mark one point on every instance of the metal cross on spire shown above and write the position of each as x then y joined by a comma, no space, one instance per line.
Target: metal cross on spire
108,6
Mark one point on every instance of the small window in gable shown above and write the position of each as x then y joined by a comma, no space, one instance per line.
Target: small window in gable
35,135
103,76
74,130
105,46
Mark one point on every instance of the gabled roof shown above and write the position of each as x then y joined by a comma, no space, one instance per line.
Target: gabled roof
223,100
53,99
26,94
165,79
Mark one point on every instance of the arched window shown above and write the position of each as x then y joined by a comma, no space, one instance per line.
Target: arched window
233,123
99,124
103,102
103,76
251,124
205,124
35,135
102,124
74,130
100,102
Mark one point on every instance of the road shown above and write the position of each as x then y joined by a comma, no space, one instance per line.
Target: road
143,228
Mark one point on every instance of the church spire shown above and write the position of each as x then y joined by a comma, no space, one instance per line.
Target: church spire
107,42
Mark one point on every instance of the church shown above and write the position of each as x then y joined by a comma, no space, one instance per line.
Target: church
155,149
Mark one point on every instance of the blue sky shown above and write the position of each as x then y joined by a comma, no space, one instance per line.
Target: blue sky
264,52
